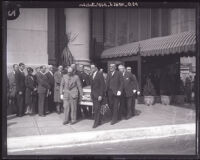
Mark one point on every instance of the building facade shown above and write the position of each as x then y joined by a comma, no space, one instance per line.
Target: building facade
38,36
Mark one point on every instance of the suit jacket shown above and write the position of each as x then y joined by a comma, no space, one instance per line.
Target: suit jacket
130,84
114,82
12,84
50,78
57,79
20,81
70,86
43,84
30,85
97,86
84,78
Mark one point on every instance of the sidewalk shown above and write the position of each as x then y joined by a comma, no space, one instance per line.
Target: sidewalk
156,120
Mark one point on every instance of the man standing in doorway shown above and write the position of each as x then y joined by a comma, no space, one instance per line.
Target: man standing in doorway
20,89
114,90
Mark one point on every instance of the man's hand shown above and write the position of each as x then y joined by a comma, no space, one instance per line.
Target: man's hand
99,98
61,96
134,91
118,93
20,93
138,92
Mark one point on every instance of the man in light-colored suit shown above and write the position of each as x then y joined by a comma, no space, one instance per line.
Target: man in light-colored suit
70,89
43,87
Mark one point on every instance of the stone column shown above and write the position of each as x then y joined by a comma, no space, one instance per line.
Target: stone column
78,27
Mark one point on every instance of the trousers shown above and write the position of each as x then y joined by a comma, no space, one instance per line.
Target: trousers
20,104
41,103
70,105
114,102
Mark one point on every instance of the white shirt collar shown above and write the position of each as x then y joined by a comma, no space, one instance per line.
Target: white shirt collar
94,74
51,72
113,73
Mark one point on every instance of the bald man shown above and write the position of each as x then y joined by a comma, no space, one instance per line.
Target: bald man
70,90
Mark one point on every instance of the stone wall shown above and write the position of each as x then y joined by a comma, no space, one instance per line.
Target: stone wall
27,38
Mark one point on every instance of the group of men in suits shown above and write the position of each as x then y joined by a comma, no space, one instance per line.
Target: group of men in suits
121,88
118,90
40,92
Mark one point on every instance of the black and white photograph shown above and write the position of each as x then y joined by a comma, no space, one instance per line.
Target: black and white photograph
95,78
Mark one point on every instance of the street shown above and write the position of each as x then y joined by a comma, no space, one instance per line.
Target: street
171,145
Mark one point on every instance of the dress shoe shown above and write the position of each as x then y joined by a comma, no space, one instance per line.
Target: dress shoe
94,126
65,122
47,112
128,117
42,115
73,122
113,122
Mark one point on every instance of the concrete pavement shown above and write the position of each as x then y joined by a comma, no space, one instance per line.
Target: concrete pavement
173,145
31,132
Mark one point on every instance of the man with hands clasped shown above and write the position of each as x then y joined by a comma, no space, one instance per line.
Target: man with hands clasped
70,89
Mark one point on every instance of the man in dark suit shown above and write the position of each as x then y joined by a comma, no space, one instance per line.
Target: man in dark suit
114,90
50,97
20,89
85,81
12,89
97,93
129,90
43,89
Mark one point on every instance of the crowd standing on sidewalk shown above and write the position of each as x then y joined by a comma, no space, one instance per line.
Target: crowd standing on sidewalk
45,90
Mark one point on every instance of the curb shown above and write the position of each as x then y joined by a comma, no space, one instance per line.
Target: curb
15,144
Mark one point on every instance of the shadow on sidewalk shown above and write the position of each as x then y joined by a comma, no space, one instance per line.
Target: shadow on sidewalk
11,123
9,117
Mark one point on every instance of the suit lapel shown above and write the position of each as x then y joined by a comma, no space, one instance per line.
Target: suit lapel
95,76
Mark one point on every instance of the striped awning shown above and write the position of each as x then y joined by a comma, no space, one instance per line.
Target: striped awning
121,51
172,44
177,43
